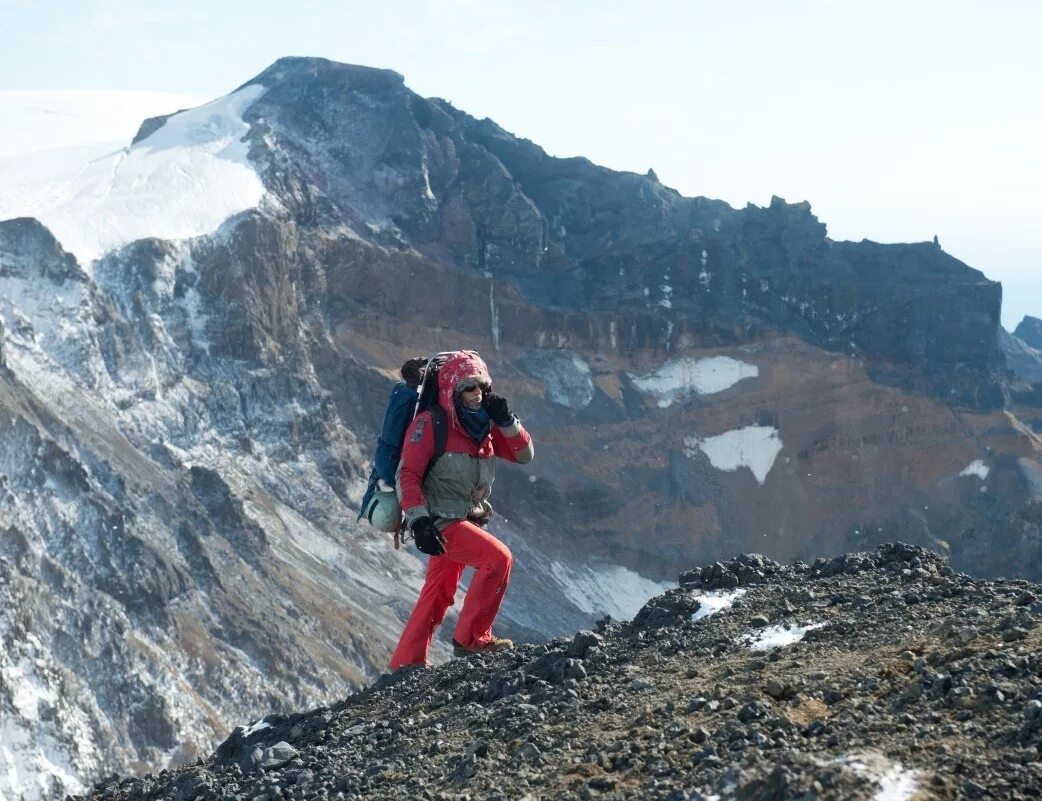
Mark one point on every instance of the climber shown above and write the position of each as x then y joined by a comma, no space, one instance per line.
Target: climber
446,507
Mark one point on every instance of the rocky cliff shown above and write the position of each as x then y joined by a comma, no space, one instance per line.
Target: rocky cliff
422,178
191,418
876,675
660,344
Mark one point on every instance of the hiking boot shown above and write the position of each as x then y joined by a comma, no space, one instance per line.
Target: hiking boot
493,645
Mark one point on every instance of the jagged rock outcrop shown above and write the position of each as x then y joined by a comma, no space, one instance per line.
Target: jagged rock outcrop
152,583
880,674
1030,332
1023,359
418,175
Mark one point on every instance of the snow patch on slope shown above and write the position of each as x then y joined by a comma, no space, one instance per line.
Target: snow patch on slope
755,447
976,468
778,636
680,378
256,726
37,761
184,180
894,781
715,601
607,589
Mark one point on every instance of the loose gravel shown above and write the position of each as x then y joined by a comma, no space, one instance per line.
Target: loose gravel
909,681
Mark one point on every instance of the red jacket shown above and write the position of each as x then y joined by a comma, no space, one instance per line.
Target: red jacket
458,484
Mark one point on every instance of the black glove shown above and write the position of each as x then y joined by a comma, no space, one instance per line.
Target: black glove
428,539
498,410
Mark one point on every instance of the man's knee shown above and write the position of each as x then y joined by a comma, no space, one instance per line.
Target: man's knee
446,598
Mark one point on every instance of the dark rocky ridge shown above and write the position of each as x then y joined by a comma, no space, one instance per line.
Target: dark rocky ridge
920,680
572,236
1030,332
30,251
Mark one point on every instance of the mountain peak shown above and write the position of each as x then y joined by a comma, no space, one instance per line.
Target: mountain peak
29,246
1030,330
298,67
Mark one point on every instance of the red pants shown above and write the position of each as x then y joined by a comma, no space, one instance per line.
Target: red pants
467,545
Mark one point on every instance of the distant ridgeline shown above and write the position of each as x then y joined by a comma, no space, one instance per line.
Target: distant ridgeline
1030,331
616,261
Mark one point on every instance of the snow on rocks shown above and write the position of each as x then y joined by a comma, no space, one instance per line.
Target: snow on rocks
976,468
685,710
714,601
183,180
777,636
680,378
755,447
256,726
566,375
46,305
46,742
893,780
105,360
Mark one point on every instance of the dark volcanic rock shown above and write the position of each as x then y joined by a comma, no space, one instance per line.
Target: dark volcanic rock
1030,332
406,172
30,249
910,705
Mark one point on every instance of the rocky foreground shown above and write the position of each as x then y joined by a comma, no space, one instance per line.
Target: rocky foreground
910,680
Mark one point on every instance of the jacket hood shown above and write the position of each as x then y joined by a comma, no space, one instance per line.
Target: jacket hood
460,366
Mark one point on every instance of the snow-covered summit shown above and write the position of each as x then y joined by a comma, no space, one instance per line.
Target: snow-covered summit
183,180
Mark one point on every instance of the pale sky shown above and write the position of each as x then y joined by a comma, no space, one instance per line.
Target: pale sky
896,120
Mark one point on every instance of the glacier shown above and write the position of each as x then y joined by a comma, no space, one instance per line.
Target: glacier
183,180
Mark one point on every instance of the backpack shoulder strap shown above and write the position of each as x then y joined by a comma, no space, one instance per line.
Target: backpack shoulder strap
440,426
441,429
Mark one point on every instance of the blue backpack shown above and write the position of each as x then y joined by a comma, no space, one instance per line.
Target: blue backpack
380,507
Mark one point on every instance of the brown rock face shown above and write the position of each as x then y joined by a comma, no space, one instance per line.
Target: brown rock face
351,148
868,379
